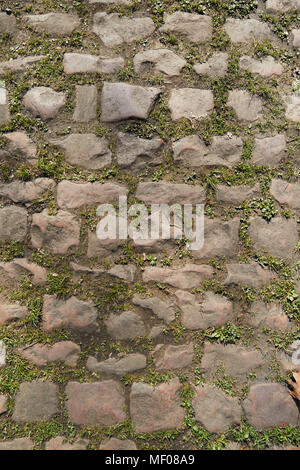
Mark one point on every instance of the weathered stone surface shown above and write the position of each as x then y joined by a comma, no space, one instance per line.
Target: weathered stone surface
101,248
170,193
19,65
121,101
163,309
20,267
268,315
236,360
286,193
269,150
215,410
236,194
53,24
21,191
295,38
100,403
269,404
36,401
60,443
134,150
72,313
86,103
57,233
87,63
125,326
246,106
266,67
118,366
190,103
192,151
41,354
282,232
125,272
3,407
20,443
74,195
274,6
189,276
292,104
2,354
156,409
114,30
173,357
79,270
9,312
247,30
4,106
214,311
117,444
21,144
85,150
216,65
251,275
196,28
220,239
13,223
44,102
8,23
160,61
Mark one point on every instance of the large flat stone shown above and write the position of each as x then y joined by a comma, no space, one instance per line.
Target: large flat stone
190,103
44,102
53,24
220,239
269,150
189,276
247,107
163,309
216,65
137,152
26,191
75,195
9,312
86,63
266,67
286,193
251,275
20,267
125,326
268,316
173,357
36,401
170,193
86,103
8,23
13,223
247,30
193,27
118,366
160,61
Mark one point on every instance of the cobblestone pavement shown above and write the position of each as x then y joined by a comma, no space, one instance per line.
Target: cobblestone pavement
134,344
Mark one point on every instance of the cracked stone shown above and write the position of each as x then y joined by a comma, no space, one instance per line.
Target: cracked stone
21,144
266,67
20,267
57,233
19,65
270,404
190,103
98,403
86,103
53,24
87,63
164,310
60,443
286,193
247,30
9,312
282,232
216,65
118,366
156,408
36,401
13,223
215,410
193,152
125,326
236,194
269,150
159,61
117,444
189,276
114,30
246,106
268,315
195,28
41,354
236,360
173,357
21,191
75,195
170,193
140,152
4,106
121,101
44,102
214,311
72,313
251,275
